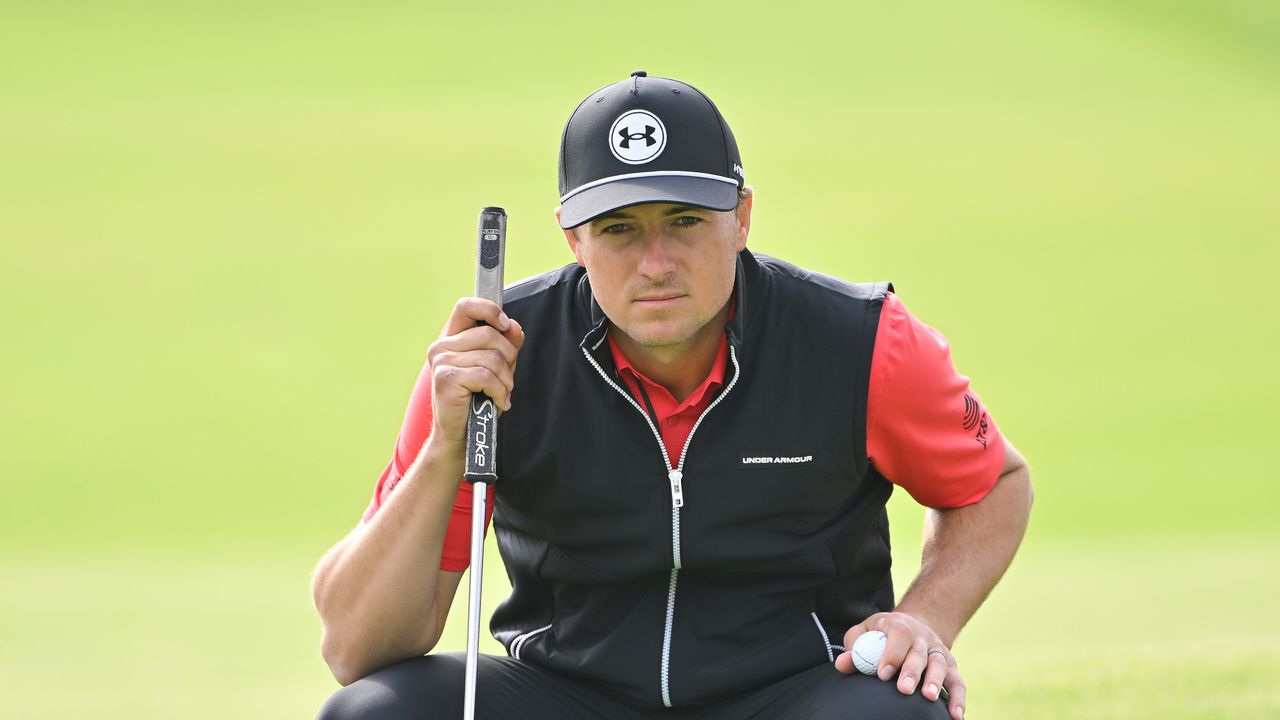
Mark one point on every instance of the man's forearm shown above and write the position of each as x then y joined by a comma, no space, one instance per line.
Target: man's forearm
967,550
379,592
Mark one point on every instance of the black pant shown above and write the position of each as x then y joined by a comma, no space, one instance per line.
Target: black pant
431,687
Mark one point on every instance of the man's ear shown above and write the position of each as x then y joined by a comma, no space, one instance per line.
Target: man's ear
572,239
744,217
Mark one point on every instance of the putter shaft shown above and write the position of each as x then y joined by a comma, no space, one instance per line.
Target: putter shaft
478,499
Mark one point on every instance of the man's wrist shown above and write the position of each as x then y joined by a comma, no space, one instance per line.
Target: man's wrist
440,460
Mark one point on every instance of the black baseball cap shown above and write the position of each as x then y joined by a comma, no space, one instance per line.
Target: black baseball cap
644,140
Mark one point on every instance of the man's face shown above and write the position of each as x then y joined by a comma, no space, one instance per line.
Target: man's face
662,272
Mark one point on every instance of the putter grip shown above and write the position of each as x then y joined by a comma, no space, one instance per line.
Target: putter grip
482,421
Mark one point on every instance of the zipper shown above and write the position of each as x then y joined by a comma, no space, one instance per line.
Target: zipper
664,671
675,477
518,644
826,640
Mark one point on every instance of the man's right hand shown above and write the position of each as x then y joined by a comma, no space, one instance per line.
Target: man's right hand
379,592
476,352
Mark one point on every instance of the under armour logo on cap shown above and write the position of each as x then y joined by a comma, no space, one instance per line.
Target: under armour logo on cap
628,136
628,132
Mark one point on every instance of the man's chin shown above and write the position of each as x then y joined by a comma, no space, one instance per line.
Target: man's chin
655,337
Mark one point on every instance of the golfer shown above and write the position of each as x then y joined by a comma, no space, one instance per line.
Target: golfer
695,452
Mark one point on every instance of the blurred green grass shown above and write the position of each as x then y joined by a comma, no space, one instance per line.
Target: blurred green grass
229,233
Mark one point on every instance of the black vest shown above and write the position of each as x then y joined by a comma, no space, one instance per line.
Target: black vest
745,566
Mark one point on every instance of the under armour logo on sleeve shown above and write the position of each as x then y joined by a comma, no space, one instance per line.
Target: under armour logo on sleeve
975,416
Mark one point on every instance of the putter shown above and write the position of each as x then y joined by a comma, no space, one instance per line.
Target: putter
482,442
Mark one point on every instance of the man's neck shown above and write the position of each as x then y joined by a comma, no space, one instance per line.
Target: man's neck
678,368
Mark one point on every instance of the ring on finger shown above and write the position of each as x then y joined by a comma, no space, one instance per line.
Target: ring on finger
938,651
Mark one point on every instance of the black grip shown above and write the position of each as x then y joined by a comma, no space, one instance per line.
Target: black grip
482,420
482,440
492,230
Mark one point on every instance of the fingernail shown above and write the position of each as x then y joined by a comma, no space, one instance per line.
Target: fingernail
933,689
887,671
910,682
960,712
504,321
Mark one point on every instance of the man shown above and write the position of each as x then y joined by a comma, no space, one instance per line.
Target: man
697,447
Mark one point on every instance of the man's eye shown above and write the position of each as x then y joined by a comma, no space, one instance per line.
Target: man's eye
614,229
687,220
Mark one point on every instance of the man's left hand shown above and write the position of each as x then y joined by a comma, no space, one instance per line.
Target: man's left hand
914,653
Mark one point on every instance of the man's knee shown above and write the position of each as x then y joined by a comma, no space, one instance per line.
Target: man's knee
859,697
354,701
419,688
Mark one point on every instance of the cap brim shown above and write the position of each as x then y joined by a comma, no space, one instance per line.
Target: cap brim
596,201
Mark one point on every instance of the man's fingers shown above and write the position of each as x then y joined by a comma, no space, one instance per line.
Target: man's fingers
472,339
471,310
514,334
901,638
844,661
458,383
475,353
956,689
913,666
935,673
487,358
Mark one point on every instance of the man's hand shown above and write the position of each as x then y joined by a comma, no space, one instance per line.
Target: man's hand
916,650
966,550
469,358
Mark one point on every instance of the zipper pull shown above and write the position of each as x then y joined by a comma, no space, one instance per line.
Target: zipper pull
677,491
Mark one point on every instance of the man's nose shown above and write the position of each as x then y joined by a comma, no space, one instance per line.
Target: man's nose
656,263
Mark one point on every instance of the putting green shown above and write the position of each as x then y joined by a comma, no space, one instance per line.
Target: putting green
1127,630
229,233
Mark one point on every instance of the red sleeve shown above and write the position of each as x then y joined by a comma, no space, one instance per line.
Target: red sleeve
413,433
927,430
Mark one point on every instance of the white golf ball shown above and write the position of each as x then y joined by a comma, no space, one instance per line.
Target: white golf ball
867,650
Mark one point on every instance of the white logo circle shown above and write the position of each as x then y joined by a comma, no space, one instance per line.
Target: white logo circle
637,137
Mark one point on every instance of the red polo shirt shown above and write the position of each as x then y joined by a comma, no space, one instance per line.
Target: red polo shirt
675,418
927,431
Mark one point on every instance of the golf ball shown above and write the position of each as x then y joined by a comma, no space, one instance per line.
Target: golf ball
867,650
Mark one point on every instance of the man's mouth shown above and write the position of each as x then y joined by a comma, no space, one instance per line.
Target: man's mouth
657,299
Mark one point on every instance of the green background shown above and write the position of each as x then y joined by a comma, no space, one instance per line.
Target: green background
230,230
